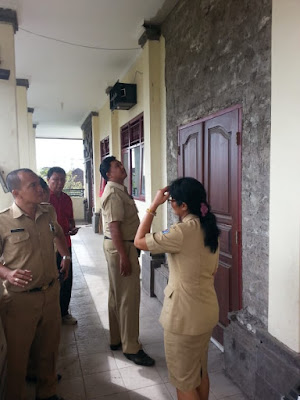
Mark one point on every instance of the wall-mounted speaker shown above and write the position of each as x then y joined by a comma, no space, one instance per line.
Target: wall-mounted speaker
122,96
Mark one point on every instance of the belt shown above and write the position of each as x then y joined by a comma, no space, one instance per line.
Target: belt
131,241
42,288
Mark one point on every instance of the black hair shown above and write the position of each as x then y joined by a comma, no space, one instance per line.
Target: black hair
13,180
44,184
192,193
105,166
55,170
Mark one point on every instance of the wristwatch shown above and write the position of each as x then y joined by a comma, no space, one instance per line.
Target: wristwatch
66,258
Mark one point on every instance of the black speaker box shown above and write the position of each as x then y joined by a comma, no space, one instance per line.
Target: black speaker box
122,96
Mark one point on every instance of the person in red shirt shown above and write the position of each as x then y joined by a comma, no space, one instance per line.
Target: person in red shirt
64,209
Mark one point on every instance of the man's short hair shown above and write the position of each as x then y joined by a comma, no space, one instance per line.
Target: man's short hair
105,166
44,184
57,170
13,181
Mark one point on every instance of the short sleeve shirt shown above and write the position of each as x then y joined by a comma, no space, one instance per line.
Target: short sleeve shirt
117,205
190,305
29,244
64,210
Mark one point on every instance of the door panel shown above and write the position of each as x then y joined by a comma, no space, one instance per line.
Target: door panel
190,146
210,152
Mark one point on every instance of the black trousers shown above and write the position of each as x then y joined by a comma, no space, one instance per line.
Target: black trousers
65,286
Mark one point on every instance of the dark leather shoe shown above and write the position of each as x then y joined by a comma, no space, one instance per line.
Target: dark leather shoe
115,346
140,358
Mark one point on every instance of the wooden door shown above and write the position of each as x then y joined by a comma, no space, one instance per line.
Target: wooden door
210,151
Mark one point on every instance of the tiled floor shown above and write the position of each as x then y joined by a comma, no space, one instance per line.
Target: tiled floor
90,370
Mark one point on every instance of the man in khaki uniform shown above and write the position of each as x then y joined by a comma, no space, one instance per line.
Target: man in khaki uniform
28,268
120,225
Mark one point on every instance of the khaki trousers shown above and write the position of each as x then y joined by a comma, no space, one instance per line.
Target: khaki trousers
32,317
123,298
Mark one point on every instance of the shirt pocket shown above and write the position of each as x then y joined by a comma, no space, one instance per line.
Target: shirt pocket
18,245
18,237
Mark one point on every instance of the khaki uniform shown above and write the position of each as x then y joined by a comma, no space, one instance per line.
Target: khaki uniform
31,315
190,310
124,292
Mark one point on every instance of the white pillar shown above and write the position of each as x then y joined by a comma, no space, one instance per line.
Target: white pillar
31,140
96,159
284,266
23,136
9,151
154,100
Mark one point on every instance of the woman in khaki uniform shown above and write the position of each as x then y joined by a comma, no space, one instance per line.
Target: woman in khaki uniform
190,309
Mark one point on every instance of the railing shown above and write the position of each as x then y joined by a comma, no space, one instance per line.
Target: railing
75,192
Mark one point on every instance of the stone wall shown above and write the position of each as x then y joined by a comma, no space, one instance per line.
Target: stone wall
260,365
218,54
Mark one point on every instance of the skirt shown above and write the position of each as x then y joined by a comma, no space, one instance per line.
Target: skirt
186,358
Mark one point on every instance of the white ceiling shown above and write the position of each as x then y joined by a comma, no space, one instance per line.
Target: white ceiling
67,82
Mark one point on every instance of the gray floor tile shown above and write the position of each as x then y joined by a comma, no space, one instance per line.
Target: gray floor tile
157,392
88,319
72,389
93,345
99,362
222,387
68,349
103,383
87,332
137,377
69,367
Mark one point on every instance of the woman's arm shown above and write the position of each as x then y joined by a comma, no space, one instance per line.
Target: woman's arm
140,241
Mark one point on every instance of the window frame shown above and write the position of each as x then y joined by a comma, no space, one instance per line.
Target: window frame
130,140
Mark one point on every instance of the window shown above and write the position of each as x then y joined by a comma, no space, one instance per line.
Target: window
104,152
104,148
132,146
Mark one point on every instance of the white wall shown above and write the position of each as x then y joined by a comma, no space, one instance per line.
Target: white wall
9,150
78,208
23,139
284,276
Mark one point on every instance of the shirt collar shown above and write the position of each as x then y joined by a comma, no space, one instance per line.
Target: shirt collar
117,185
189,217
18,212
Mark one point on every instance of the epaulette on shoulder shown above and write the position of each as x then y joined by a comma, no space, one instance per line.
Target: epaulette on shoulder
5,210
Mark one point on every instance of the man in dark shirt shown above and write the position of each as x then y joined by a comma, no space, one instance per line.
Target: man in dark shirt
64,209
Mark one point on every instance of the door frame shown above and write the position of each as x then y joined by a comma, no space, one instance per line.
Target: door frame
239,182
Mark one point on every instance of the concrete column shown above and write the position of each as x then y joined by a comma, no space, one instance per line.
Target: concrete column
23,136
32,155
154,96
96,159
31,139
284,266
9,151
114,136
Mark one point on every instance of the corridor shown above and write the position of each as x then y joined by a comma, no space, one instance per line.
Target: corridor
90,371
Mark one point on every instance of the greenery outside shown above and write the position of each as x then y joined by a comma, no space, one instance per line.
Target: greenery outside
73,181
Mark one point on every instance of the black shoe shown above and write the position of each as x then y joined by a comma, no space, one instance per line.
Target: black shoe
140,358
115,346
33,379
54,397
